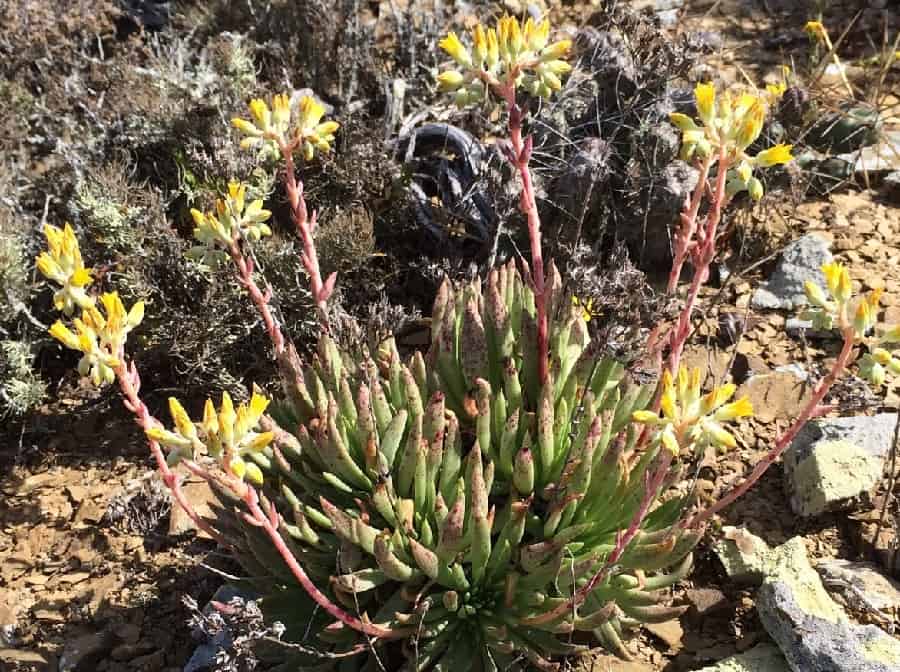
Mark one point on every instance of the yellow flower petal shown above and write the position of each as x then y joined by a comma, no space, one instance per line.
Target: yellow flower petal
456,50
64,335
705,95
773,156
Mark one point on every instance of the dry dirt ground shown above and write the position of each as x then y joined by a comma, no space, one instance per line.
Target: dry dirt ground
76,577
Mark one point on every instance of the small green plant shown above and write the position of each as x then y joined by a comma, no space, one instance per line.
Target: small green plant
473,507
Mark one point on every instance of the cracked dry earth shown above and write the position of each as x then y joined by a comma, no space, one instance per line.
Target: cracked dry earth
92,568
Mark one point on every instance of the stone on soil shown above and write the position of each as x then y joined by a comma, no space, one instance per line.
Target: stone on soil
834,462
800,261
861,584
880,158
811,629
761,658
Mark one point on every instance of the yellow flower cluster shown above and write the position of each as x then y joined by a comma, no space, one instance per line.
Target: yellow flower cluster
691,420
228,435
62,264
100,338
730,124
272,129
504,58
839,308
233,219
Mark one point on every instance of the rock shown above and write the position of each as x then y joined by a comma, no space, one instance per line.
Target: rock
800,261
205,654
599,660
832,463
705,601
891,186
669,633
878,159
780,394
25,660
761,658
664,197
749,559
812,631
83,650
862,586
794,325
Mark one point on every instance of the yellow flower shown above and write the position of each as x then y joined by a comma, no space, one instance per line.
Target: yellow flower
775,91
816,296
705,95
750,124
891,335
455,48
586,307
312,133
773,156
450,80
62,263
837,278
503,58
815,29
742,408
689,418
228,435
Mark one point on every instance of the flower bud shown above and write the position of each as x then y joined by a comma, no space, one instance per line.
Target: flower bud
755,189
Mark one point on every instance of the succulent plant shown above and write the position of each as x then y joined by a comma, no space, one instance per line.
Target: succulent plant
454,501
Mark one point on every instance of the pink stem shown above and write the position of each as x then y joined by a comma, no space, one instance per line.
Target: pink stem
809,411
305,227
688,226
521,151
702,253
270,525
130,383
260,299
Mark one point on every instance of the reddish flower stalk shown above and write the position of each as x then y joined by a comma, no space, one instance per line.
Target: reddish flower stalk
811,410
700,243
306,225
688,226
520,157
130,384
260,299
270,523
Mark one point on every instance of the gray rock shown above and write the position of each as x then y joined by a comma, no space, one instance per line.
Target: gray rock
878,159
800,261
813,632
748,559
861,585
794,325
833,463
761,658
204,656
